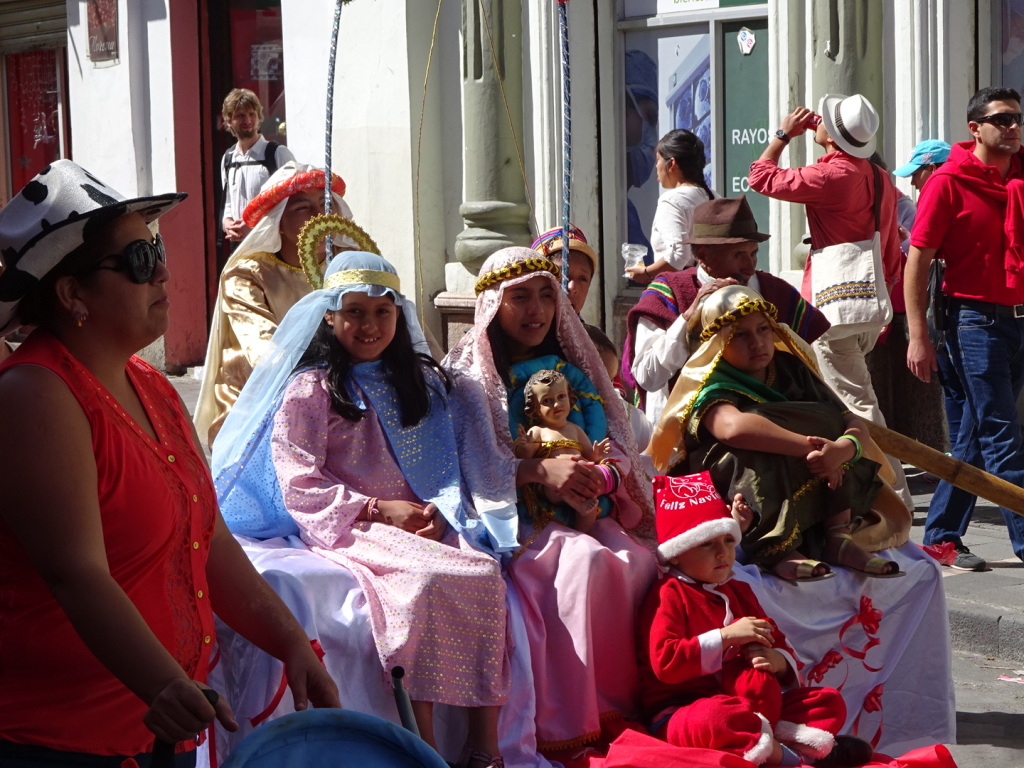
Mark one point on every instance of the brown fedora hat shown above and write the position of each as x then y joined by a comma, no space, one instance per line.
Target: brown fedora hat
724,220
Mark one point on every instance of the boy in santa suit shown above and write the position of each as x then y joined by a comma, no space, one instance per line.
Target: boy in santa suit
715,672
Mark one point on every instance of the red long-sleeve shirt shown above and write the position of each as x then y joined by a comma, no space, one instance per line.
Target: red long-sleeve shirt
838,193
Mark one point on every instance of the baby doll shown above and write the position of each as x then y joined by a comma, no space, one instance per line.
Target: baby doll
715,672
549,400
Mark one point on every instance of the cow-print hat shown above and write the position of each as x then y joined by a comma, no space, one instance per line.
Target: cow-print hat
54,214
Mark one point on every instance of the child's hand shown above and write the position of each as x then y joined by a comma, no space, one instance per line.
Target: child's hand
437,526
826,458
741,512
766,659
406,515
601,448
747,630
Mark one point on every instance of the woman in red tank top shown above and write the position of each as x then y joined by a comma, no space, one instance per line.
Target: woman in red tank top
113,556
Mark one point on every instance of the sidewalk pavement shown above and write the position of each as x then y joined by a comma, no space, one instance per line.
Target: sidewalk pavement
986,610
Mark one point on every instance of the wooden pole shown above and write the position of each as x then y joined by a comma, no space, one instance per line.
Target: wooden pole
959,473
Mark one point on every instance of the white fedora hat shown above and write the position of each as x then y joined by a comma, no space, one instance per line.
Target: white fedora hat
851,121
49,218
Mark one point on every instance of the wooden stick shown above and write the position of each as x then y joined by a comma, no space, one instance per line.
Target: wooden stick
959,473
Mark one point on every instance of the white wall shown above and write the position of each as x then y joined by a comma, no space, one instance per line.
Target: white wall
122,119
378,89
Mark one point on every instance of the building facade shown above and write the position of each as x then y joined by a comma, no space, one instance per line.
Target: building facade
447,114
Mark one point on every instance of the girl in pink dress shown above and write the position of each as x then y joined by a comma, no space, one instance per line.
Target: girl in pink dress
355,446
579,591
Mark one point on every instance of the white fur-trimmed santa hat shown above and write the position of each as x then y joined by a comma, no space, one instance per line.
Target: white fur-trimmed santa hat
689,512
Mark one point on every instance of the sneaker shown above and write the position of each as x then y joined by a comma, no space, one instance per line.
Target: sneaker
966,560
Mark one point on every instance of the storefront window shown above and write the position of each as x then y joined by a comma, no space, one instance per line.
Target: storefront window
709,77
35,121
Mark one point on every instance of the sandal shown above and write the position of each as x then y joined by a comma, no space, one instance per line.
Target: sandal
804,569
876,567
795,567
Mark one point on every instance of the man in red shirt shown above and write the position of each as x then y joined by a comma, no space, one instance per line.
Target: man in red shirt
971,214
838,192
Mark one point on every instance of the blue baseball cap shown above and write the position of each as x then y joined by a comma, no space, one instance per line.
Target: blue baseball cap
928,152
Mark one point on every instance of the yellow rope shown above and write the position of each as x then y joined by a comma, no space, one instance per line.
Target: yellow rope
416,186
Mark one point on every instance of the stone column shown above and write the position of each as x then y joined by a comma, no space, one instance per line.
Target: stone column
495,210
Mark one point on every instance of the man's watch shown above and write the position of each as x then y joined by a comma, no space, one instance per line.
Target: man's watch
782,136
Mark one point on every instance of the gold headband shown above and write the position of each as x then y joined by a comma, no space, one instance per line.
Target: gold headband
363,277
743,308
532,264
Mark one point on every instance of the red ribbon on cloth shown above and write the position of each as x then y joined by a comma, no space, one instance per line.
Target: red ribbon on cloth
870,619
872,703
282,686
944,551
831,660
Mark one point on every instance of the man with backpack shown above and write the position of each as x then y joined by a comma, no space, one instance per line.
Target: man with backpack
248,164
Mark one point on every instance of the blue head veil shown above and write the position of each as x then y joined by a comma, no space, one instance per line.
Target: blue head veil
247,486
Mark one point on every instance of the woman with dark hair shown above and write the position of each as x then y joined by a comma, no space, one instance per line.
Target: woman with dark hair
579,592
113,557
680,165
343,435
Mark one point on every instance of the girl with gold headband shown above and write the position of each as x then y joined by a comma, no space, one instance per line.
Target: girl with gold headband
579,591
750,407
343,436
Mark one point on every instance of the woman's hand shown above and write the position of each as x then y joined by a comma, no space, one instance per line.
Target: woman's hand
180,711
575,478
437,526
826,458
406,515
747,630
309,682
640,274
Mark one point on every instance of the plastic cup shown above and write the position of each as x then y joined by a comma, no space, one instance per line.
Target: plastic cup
633,255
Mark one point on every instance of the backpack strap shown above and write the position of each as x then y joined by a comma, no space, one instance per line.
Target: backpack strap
270,157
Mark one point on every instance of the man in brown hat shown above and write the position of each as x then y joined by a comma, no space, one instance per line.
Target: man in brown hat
725,240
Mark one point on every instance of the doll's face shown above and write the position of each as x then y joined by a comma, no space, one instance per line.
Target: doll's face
553,404
710,562
752,346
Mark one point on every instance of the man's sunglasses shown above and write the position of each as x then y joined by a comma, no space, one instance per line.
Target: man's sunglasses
138,260
1002,119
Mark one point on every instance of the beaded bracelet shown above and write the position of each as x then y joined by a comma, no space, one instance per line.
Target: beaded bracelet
858,448
373,513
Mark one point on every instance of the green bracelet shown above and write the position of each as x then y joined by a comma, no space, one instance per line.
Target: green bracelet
858,448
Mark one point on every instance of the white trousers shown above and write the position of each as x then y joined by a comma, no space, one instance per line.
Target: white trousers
845,370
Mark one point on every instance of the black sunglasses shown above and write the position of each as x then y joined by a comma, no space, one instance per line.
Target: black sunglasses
138,260
1002,119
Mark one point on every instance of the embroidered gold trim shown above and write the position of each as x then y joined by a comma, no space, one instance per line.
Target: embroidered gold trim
364,277
533,264
743,308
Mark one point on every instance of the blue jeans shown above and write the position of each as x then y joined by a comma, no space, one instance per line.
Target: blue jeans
987,351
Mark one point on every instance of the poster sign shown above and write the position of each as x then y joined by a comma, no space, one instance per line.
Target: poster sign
745,113
102,23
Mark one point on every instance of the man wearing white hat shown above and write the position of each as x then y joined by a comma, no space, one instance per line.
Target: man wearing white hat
839,192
